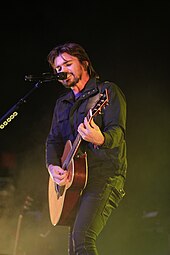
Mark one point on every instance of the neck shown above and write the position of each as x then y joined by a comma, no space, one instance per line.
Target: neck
80,85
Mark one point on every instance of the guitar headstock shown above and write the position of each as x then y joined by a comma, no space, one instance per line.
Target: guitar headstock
101,103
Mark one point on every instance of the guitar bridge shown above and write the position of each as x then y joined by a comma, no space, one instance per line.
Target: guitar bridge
59,190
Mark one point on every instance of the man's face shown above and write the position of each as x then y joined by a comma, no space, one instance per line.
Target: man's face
70,65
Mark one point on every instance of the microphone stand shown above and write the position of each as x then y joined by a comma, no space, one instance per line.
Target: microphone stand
45,77
26,206
12,112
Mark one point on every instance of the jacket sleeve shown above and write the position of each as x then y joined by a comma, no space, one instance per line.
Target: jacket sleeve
54,143
114,117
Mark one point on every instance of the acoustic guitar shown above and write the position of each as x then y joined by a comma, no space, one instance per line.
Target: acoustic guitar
63,200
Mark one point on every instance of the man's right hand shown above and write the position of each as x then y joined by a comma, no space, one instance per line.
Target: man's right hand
58,175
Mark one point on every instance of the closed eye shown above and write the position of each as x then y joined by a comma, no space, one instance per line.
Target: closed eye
65,64
68,64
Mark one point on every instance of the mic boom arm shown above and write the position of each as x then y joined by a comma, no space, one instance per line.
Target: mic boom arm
46,77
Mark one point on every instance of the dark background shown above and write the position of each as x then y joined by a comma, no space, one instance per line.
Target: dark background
127,44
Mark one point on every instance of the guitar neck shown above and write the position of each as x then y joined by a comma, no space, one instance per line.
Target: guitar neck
72,152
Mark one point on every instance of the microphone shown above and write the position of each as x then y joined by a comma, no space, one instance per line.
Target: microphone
45,77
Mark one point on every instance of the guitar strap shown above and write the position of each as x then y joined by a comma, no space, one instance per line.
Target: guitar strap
91,102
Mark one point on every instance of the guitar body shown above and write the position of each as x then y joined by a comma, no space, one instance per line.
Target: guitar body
62,205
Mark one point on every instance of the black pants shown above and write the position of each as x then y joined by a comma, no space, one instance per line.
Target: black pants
95,208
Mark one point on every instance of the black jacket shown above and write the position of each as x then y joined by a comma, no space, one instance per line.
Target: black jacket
107,160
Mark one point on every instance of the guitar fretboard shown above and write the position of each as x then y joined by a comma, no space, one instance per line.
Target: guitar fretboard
72,152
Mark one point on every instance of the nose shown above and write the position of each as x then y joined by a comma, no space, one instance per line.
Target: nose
64,69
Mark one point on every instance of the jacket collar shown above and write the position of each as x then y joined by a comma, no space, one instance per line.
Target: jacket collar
89,90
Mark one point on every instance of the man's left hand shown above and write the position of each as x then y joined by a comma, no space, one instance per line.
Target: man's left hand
90,132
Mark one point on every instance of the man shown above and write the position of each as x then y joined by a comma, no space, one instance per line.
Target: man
102,141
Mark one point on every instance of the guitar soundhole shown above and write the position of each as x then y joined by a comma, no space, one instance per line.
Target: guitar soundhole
59,190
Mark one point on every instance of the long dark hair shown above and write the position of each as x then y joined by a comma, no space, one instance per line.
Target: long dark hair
73,49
